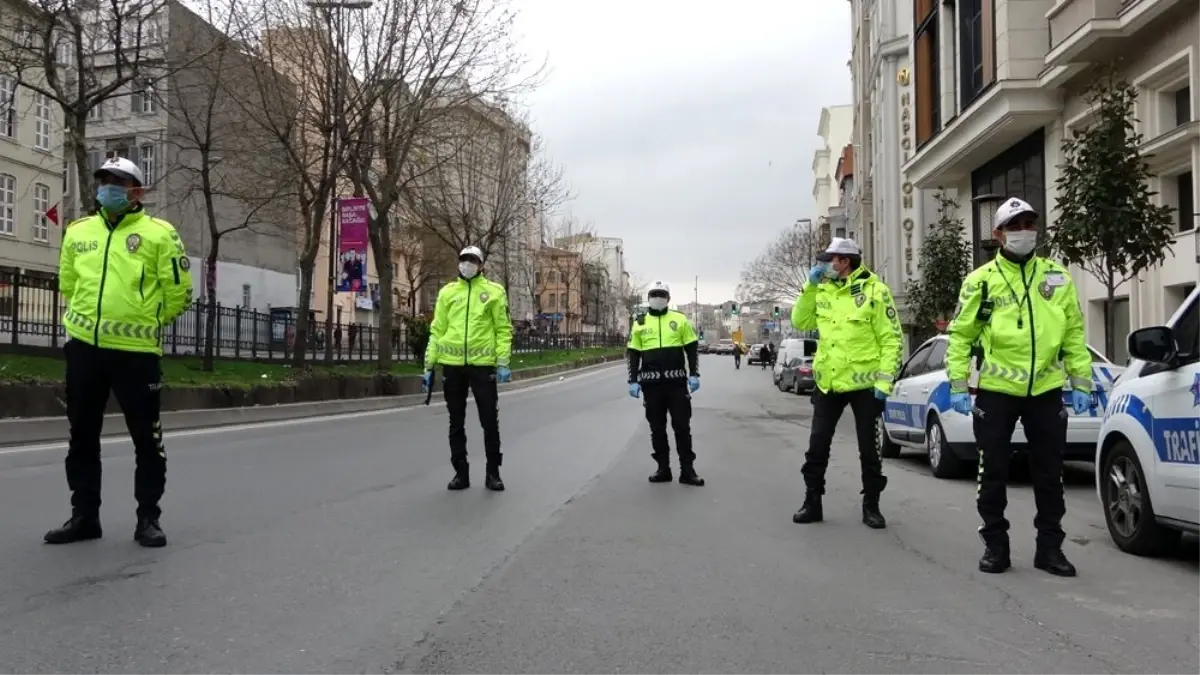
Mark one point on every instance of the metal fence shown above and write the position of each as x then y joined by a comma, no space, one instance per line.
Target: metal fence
31,311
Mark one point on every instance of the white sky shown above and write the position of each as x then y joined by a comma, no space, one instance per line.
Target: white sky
687,128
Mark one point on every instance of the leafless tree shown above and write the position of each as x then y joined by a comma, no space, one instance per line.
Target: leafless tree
226,171
780,272
79,54
561,266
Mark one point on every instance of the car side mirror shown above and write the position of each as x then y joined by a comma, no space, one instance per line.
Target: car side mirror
1155,344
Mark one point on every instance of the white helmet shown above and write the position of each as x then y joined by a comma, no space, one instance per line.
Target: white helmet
659,286
121,168
471,252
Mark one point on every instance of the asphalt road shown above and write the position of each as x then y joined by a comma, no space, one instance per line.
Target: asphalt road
333,546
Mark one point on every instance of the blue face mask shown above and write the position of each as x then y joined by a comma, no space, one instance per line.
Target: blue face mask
112,197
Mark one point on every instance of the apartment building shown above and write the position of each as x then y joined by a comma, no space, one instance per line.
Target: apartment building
834,129
998,85
31,173
559,280
606,257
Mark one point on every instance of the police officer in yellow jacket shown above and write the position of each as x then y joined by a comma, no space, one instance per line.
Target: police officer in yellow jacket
471,338
1019,315
664,363
124,276
856,365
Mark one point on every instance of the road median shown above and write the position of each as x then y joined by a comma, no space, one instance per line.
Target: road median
34,411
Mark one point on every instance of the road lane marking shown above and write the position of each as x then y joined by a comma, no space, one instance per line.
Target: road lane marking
253,426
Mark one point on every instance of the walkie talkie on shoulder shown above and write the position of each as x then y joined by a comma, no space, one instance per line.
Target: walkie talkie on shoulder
984,313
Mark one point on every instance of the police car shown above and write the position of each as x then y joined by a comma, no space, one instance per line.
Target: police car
918,414
1148,452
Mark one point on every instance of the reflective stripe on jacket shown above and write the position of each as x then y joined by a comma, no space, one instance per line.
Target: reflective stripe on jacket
1034,340
123,283
471,325
858,331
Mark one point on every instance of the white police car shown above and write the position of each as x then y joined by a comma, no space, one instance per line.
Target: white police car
1148,452
918,414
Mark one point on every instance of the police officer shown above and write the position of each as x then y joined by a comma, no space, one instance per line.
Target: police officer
1021,314
664,363
856,365
124,276
471,338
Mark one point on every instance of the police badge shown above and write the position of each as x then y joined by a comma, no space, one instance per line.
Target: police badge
673,325
132,243
483,297
859,300
1046,289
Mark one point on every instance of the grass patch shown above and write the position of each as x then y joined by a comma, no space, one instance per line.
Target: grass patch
240,373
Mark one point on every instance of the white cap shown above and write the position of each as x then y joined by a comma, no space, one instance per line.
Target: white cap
1011,209
121,168
839,246
659,286
472,251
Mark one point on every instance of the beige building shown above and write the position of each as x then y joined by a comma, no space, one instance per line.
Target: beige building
560,282
989,120
835,130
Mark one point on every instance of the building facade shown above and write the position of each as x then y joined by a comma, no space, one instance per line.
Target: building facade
991,108
606,256
560,283
835,132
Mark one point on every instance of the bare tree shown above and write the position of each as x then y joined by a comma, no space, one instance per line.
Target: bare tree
79,55
780,272
220,162
561,266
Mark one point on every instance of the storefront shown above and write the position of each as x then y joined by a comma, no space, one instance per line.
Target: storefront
1019,171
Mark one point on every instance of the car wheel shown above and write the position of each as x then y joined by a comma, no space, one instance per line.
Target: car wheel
1127,508
887,448
780,385
942,460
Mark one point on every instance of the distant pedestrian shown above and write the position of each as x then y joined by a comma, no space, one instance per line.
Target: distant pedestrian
471,338
664,362
856,366
124,276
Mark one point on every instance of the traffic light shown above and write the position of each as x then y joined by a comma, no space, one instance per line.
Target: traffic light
776,313
733,308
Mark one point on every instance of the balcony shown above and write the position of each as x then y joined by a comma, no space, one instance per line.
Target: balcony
1087,31
1006,113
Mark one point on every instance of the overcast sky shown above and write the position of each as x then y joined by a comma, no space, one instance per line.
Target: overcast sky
685,128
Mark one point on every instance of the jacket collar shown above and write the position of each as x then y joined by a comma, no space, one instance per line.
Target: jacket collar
856,277
130,217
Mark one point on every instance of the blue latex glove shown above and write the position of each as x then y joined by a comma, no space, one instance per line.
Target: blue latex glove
693,383
635,390
1081,401
961,402
816,273
881,395
503,374
426,381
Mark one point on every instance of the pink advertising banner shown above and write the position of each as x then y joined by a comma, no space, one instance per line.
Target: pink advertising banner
353,214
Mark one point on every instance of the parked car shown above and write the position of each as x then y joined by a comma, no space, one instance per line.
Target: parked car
754,355
725,346
791,351
797,378
918,413
1148,450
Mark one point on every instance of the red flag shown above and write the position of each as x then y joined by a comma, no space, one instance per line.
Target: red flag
52,214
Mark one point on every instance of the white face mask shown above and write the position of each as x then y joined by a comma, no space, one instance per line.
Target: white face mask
468,269
829,272
658,304
1020,242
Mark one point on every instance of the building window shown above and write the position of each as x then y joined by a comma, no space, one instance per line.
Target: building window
1019,171
42,136
41,204
147,160
8,204
246,296
928,65
977,46
1183,106
8,106
95,159
143,98
1186,201
96,112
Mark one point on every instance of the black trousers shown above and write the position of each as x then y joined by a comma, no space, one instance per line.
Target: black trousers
458,381
674,399
1045,422
135,379
827,411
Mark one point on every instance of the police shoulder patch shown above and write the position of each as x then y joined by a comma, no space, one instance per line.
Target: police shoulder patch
891,313
185,263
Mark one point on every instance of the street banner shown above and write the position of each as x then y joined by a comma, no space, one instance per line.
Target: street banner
353,214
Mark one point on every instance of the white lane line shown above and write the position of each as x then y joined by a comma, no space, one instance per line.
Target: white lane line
253,426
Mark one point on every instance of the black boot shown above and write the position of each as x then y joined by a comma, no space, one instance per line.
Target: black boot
149,533
78,528
688,476
811,511
461,481
492,480
995,559
1053,561
872,518
663,475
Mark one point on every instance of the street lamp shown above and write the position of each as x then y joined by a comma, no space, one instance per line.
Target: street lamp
985,224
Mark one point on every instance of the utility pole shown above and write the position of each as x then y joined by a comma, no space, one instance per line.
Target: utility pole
696,303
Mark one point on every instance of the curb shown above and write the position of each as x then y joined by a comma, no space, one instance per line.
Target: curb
33,430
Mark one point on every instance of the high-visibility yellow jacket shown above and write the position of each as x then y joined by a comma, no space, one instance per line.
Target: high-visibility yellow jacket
662,347
471,325
859,332
1034,338
124,281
